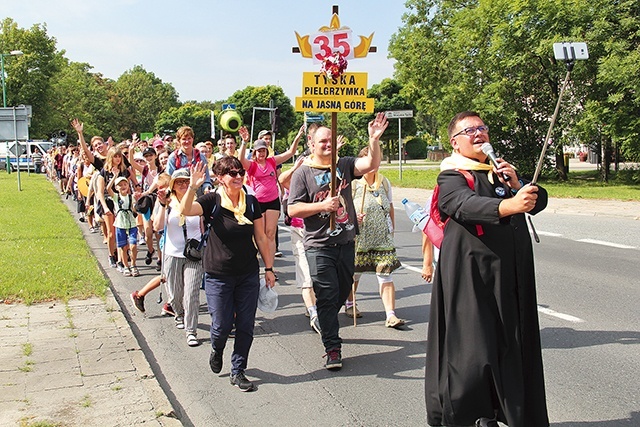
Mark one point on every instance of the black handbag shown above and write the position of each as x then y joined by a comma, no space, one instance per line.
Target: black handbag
193,249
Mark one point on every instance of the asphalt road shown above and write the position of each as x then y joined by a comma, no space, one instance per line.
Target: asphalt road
588,295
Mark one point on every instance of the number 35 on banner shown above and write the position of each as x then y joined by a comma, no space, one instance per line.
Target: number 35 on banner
326,43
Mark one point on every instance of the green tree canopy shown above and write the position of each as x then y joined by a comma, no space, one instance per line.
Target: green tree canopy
139,98
191,114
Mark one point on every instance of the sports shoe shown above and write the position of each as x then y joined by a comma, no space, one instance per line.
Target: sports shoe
134,271
215,361
167,310
149,257
137,300
126,271
278,254
486,422
192,340
240,381
349,311
334,359
120,267
159,265
112,262
315,324
394,322
179,322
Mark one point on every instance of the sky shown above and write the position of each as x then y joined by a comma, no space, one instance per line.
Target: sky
208,49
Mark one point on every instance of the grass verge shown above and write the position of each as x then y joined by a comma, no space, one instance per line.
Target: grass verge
44,256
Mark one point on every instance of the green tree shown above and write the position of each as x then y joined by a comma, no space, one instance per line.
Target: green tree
252,96
192,114
28,77
494,57
77,92
139,98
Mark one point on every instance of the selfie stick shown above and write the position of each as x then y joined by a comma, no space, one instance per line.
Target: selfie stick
569,53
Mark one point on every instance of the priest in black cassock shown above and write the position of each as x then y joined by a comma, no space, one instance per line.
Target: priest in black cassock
484,358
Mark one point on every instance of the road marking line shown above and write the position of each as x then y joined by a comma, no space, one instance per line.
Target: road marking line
603,243
549,234
412,268
562,316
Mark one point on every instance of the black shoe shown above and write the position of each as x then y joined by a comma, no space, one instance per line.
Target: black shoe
240,381
148,258
486,422
215,361
334,359
158,265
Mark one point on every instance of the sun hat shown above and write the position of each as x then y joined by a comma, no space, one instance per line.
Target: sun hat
267,298
179,174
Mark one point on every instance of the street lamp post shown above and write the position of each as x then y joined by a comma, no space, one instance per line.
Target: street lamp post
4,98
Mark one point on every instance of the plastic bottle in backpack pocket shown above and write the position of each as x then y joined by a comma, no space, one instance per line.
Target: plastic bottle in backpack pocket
417,214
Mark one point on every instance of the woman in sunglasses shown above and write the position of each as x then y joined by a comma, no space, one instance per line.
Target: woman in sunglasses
230,261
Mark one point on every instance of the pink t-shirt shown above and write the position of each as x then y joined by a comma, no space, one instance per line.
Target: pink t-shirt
264,181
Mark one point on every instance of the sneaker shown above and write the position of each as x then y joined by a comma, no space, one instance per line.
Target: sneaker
192,340
349,311
112,262
149,257
134,271
334,359
137,300
315,324
167,310
240,381
215,361
127,272
278,254
159,265
179,322
93,230
120,267
486,422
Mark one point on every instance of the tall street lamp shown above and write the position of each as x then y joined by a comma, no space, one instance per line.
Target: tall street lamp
4,83
4,95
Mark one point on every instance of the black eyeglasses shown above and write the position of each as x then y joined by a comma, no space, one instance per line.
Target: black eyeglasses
472,130
234,174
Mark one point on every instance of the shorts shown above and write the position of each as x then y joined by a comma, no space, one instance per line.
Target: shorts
126,237
99,209
273,205
382,278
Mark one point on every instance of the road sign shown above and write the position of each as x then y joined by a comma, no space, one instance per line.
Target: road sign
228,106
313,118
399,114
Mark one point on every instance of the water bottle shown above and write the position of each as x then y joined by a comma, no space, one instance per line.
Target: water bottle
416,214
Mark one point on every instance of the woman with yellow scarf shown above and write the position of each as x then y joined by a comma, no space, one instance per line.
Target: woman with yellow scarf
232,279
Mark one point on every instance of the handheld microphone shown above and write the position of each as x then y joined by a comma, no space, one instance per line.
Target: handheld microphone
488,150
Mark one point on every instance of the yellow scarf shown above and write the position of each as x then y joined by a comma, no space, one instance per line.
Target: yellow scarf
238,211
310,161
458,161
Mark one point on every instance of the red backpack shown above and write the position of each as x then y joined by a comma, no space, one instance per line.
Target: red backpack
435,226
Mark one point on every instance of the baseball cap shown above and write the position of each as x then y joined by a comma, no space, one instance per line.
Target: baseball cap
263,133
158,143
120,179
147,151
261,143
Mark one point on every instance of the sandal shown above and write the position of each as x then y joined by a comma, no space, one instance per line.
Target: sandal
134,271
149,257
192,340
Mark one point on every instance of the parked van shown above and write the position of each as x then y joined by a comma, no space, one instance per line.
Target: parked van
30,154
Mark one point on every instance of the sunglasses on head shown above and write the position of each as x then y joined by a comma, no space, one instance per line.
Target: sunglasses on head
235,173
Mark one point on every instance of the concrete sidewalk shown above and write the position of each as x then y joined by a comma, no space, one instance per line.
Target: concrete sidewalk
76,364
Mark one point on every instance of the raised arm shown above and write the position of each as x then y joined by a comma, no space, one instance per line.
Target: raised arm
376,128
188,206
242,154
285,177
79,127
283,157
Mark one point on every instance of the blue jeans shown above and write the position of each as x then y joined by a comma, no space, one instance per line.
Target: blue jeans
331,269
226,296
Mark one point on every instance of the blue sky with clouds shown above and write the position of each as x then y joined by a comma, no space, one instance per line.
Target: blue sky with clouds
208,49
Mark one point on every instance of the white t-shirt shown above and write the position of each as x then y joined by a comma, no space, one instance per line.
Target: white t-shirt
174,239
